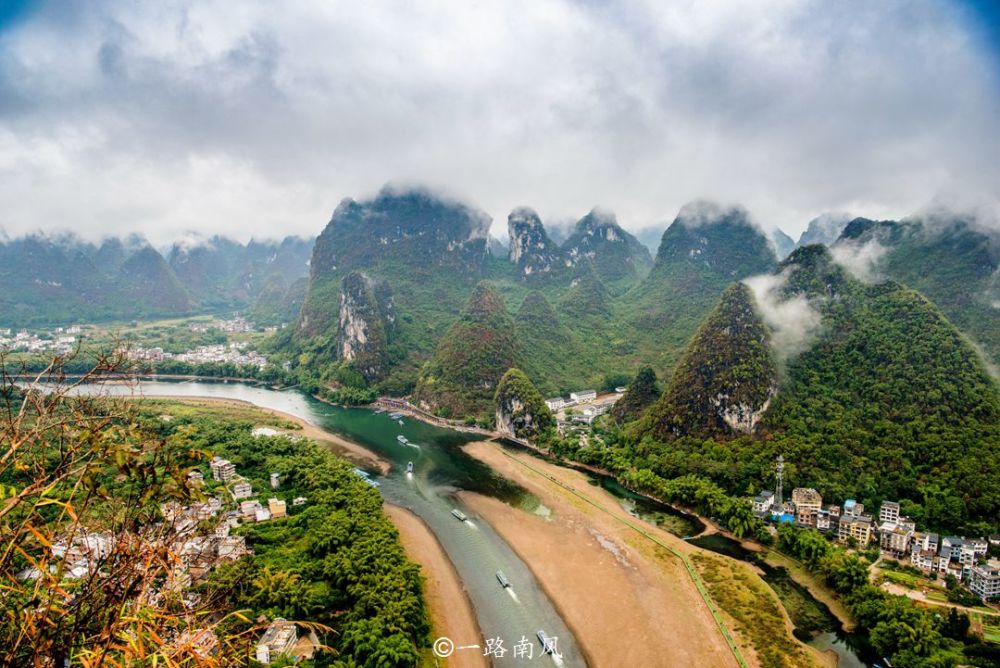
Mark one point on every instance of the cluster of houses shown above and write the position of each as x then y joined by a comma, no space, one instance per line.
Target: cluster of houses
197,551
237,325
586,406
60,340
896,535
250,509
231,353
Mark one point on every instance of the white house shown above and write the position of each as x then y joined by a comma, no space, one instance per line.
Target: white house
277,641
555,404
583,395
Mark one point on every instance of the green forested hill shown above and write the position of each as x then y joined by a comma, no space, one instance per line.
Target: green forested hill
888,401
727,377
63,279
704,250
949,258
461,378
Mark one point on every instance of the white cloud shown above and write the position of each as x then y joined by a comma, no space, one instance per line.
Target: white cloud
256,118
860,259
794,322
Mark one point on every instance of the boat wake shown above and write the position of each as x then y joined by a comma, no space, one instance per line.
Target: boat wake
513,595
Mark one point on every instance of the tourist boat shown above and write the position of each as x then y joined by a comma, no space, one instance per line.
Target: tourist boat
546,643
400,423
401,439
459,514
409,467
378,411
395,416
502,579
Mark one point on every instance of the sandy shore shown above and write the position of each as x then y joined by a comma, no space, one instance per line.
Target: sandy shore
342,446
628,601
451,611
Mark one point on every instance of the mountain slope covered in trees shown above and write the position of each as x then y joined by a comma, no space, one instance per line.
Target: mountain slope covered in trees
886,400
63,279
951,259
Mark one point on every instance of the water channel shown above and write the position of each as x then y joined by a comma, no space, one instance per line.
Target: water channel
441,468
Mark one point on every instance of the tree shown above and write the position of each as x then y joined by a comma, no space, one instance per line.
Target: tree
60,456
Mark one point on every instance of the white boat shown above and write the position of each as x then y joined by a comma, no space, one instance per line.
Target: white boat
409,467
459,514
400,423
502,579
546,643
401,439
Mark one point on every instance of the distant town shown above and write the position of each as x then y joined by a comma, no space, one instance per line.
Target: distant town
897,536
65,340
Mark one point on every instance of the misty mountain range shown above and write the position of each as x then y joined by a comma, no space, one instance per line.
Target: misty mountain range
63,279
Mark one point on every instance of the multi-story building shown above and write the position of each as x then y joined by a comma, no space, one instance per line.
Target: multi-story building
277,507
242,490
583,395
967,555
951,547
895,538
984,580
222,469
232,547
555,403
925,560
249,508
808,503
888,512
857,527
979,546
853,509
762,503
806,498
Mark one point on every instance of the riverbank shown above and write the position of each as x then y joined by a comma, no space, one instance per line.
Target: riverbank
580,554
342,446
450,609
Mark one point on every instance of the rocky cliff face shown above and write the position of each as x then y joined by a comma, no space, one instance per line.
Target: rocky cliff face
614,253
367,318
530,247
416,241
520,410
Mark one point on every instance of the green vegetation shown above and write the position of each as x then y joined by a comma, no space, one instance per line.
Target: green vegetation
642,393
336,561
64,280
757,614
911,636
725,380
889,402
702,252
951,260
520,409
476,351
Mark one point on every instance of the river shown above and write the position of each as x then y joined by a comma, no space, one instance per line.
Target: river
441,468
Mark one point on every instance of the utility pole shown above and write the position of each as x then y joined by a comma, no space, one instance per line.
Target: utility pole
779,474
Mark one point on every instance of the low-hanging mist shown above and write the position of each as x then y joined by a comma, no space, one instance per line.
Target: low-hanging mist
794,321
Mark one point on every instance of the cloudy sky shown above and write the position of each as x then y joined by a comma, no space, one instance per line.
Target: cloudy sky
256,118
